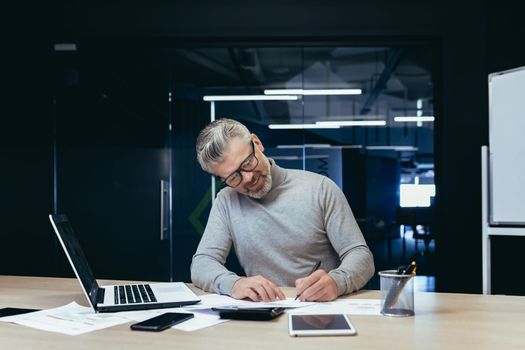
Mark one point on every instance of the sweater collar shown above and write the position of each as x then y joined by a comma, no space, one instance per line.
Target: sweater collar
278,174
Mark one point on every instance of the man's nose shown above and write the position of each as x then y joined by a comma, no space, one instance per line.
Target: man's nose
247,176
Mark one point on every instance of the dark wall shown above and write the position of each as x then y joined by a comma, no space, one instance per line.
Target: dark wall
26,149
471,39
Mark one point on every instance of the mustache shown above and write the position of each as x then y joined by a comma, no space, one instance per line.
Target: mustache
255,180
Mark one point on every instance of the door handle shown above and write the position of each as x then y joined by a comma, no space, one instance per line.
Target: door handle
163,206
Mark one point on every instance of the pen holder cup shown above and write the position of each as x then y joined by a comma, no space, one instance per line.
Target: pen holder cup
397,293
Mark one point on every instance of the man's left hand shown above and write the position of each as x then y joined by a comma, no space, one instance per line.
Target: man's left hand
319,286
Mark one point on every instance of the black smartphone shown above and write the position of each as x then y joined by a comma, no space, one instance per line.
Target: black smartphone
251,314
11,311
161,322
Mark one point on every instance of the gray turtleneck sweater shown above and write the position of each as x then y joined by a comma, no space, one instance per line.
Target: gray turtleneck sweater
304,218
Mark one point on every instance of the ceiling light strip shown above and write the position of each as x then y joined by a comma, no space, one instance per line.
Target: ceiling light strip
313,91
353,123
250,98
392,148
301,126
428,118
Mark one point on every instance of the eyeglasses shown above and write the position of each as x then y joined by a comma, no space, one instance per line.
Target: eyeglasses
249,164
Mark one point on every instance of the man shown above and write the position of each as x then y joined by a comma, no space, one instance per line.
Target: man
281,222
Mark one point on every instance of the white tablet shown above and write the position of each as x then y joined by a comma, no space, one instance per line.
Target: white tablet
318,325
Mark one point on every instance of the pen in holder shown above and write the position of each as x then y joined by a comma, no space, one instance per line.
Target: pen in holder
397,290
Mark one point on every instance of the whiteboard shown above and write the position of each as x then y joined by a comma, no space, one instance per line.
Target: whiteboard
507,147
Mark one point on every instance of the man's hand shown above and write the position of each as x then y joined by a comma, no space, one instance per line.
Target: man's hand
256,288
319,286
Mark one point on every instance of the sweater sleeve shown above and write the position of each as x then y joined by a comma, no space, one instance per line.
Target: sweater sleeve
357,262
207,267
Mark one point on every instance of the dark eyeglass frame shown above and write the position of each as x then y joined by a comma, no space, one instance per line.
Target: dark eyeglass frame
242,169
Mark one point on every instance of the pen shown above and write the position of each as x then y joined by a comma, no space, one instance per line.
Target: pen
316,266
410,269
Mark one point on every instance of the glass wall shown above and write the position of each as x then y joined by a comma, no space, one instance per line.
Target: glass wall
127,117
363,116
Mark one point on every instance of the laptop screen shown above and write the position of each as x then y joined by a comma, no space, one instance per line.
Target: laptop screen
75,256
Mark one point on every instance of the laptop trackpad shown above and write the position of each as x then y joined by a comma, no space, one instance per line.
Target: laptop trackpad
172,291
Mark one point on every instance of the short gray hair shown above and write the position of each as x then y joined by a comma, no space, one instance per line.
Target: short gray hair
214,139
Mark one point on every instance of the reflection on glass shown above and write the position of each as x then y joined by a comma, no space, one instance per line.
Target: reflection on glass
313,322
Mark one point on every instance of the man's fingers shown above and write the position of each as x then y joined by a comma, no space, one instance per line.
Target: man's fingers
263,294
264,288
316,293
272,290
323,287
307,282
256,288
280,294
252,295
311,290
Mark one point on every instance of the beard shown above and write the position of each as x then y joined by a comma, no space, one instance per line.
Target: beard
266,177
267,186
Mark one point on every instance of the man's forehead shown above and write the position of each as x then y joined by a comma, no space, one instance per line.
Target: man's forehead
236,152
237,145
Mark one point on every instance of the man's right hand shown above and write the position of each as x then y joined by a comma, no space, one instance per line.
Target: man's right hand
256,288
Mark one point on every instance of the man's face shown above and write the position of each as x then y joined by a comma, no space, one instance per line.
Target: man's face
256,183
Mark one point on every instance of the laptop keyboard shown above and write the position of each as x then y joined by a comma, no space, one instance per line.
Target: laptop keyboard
134,293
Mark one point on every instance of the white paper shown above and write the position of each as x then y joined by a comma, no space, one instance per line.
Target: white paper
201,318
71,319
343,306
215,300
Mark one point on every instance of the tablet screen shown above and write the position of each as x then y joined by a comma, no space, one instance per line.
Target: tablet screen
318,322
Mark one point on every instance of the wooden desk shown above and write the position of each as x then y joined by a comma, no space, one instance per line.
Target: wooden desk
442,321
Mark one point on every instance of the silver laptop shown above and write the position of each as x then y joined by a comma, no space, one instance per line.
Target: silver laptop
119,297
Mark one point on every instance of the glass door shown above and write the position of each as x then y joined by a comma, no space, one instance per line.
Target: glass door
112,157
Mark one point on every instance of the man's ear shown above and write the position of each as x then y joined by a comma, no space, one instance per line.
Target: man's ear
257,143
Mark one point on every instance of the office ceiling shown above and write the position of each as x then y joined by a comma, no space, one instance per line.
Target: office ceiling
394,81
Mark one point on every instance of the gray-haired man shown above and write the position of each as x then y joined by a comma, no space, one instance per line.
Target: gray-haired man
280,221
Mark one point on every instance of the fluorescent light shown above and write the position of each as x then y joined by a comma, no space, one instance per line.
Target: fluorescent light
250,98
307,145
301,126
353,123
313,91
392,148
313,156
429,118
